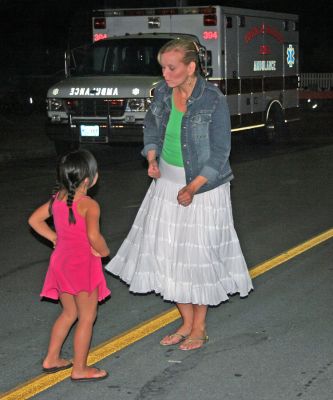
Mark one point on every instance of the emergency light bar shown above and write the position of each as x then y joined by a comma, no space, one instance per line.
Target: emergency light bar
99,23
209,14
210,20
157,11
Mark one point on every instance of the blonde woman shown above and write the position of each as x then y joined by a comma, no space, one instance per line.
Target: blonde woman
183,244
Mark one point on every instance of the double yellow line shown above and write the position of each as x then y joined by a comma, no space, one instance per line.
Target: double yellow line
117,343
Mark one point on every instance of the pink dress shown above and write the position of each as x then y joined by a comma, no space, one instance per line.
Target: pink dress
73,268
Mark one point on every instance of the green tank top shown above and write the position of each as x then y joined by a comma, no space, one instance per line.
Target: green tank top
172,151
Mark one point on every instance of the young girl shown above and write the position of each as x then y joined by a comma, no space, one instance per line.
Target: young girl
75,273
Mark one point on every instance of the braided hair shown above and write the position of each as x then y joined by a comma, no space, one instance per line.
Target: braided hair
73,168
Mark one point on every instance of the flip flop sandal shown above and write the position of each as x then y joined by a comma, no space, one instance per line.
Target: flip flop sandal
191,340
53,370
180,337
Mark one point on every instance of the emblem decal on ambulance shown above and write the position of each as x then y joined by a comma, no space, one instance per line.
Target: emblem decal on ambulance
98,91
264,65
136,91
290,56
55,91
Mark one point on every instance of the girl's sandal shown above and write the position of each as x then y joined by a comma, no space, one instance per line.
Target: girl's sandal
169,340
187,344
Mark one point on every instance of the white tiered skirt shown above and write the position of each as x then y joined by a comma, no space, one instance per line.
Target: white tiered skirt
186,254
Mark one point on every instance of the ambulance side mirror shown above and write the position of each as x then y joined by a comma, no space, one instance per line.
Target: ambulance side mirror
205,58
67,63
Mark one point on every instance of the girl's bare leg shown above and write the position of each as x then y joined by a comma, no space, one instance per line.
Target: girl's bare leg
60,331
87,311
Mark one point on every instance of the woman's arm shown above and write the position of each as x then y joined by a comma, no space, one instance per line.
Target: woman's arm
150,140
219,140
95,237
153,169
151,131
219,150
185,195
37,221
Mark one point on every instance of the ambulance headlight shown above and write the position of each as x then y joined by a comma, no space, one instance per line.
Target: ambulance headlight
138,105
55,105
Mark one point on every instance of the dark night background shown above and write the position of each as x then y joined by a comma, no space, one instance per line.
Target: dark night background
35,33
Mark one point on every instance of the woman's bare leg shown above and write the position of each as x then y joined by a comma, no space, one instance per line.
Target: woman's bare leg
187,313
197,336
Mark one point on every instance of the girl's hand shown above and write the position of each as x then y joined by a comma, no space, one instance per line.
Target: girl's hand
54,241
94,252
185,196
153,169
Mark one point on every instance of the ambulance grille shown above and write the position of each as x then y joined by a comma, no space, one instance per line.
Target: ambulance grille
96,107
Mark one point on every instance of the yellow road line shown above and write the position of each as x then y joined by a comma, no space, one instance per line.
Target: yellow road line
291,253
44,381
117,343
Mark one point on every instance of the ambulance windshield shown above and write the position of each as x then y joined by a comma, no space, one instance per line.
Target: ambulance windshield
120,57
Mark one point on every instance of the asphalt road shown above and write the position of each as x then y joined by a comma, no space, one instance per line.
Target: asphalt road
276,344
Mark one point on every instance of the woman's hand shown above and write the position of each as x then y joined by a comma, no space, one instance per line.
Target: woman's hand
185,196
153,169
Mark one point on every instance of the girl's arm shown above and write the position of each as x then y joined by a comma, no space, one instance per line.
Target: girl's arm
37,221
95,237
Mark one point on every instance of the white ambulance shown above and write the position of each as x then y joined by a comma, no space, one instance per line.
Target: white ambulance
251,55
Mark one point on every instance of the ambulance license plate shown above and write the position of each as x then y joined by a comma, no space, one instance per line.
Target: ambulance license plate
89,130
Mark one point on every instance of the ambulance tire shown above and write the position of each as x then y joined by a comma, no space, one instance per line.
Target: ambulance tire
63,147
275,127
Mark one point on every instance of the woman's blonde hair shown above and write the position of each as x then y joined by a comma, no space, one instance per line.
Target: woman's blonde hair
188,47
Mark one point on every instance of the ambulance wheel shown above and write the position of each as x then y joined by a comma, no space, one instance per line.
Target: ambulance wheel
63,147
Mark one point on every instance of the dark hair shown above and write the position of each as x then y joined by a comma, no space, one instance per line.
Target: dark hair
73,168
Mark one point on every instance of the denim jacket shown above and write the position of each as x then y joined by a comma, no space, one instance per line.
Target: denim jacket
205,132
